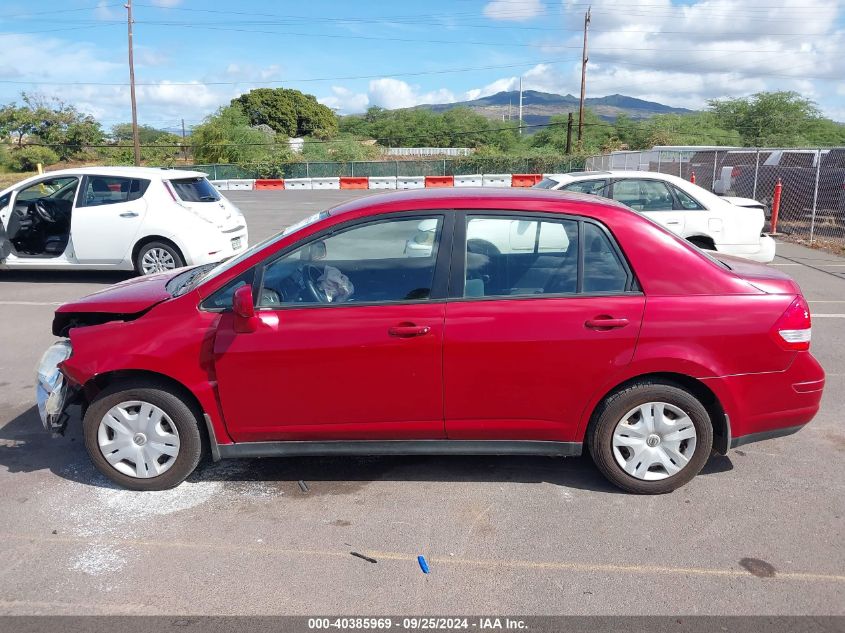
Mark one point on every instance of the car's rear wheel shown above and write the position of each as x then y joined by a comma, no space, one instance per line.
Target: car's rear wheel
650,437
143,437
157,257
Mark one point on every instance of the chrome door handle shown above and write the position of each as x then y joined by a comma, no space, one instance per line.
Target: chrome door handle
605,323
129,214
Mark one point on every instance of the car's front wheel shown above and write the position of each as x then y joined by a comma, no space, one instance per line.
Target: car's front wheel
651,437
143,436
157,257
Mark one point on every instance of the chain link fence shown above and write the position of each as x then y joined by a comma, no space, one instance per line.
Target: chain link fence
401,168
812,182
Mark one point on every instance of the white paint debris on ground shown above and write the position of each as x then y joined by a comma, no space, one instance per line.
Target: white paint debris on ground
106,514
96,560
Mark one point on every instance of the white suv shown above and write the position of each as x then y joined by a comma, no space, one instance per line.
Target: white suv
123,218
731,226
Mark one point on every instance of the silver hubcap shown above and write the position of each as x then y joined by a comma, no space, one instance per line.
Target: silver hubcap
138,439
157,260
654,441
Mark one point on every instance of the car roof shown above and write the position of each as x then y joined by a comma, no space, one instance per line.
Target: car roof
129,171
468,197
616,173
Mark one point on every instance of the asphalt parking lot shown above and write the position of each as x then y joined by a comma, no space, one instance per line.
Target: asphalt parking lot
758,532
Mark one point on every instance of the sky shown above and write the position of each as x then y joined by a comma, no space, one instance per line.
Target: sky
192,56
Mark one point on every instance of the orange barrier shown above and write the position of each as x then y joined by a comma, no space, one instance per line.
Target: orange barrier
439,181
525,180
269,184
348,182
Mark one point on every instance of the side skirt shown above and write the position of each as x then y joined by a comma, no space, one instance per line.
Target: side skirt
399,447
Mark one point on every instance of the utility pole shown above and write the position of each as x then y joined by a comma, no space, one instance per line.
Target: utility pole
584,60
520,105
569,134
184,145
136,139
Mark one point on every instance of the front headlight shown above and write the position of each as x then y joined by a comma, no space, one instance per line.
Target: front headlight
48,368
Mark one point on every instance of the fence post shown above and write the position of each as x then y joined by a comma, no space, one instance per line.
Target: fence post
396,167
352,168
626,162
215,171
680,166
658,161
307,175
715,160
815,195
756,171
444,167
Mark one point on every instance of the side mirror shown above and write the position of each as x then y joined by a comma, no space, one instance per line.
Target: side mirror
244,308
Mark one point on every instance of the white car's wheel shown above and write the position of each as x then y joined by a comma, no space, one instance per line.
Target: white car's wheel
157,257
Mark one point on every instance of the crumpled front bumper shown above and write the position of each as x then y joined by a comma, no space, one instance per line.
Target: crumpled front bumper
52,391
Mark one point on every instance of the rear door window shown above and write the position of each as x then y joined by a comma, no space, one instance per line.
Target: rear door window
643,195
195,190
102,190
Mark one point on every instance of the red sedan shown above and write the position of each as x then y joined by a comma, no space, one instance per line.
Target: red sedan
441,321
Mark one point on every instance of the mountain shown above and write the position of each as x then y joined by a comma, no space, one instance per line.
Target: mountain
538,107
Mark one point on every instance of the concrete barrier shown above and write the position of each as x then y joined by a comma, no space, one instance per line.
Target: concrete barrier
410,182
382,182
297,183
349,182
274,183
221,185
496,180
525,180
241,185
325,183
439,181
471,180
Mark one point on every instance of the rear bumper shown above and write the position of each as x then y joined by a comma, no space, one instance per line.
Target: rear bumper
224,246
763,406
763,251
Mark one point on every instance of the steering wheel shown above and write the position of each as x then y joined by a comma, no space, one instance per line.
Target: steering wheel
311,278
45,211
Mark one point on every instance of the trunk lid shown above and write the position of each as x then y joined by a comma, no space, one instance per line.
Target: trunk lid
763,277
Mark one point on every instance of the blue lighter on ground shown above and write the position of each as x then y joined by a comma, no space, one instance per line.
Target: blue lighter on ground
423,564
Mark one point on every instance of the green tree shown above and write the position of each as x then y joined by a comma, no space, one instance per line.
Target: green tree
289,112
227,137
122,132
49,121
773,119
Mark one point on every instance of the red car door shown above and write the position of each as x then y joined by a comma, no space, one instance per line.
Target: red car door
350,340
533,330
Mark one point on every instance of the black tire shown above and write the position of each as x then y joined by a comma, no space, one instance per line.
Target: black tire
615,406
181,414
146,248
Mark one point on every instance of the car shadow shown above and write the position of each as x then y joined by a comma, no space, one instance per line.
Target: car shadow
65,276
26,447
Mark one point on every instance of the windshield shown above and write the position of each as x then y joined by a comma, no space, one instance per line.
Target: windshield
546,183
181,284
196,189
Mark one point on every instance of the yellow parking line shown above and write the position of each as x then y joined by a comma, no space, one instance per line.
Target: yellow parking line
443,560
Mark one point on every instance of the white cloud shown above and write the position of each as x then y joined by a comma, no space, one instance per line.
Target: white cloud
167,3
513,10
104,10
345,101
391,93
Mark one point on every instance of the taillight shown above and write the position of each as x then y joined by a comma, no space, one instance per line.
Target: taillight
792,330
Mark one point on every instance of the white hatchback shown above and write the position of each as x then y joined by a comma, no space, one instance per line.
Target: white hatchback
122,218
728,225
